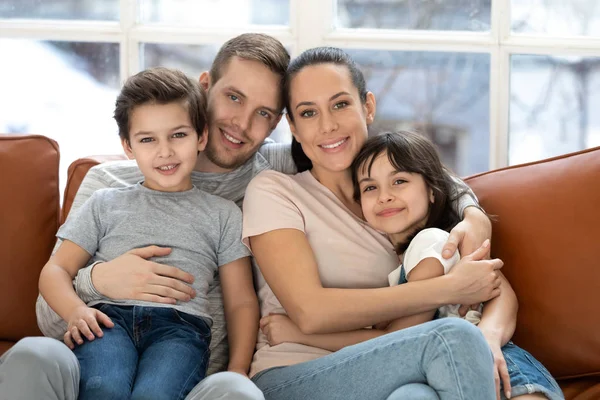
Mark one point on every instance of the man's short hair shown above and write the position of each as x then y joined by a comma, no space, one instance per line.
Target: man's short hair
160,85
254,47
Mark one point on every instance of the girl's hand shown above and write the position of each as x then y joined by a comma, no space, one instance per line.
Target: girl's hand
84,321
500,368
279,328
474,279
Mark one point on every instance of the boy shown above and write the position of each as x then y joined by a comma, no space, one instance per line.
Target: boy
154,350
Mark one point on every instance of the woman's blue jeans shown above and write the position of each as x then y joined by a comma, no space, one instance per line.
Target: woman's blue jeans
445,359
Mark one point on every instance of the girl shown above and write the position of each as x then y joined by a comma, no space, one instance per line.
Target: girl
405,192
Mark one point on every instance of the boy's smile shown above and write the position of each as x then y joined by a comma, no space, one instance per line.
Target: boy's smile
165,145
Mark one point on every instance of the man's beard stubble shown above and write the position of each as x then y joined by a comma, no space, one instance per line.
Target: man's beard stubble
212,153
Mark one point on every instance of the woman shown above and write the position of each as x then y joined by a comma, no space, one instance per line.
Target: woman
314,251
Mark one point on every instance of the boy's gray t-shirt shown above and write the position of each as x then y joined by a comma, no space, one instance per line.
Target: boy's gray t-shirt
204,232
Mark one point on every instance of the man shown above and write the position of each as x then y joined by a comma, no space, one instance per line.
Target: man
244,106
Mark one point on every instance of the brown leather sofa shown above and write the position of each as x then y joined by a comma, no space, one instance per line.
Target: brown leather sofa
547,232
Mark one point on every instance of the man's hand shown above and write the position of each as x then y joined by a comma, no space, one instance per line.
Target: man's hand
132,277
474,279
468,234
83,322
279,328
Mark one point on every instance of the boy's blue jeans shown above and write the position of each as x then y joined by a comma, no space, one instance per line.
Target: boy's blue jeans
151,352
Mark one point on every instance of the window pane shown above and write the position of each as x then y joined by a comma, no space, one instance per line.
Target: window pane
443,95
552,103
556,17
210,13
63,90
193,60
451,15
105,10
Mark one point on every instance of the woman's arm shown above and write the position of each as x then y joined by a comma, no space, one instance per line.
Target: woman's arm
287,262
279,328
241,313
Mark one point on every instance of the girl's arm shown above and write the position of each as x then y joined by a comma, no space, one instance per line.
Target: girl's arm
279,328
288,264
499,316
241,313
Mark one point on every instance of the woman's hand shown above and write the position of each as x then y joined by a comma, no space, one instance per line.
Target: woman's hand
84,322
469,234
279,328
474,279
132,277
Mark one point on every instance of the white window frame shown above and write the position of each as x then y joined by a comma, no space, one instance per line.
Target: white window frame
312,23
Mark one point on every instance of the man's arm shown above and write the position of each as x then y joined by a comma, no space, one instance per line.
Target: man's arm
241,313
279,155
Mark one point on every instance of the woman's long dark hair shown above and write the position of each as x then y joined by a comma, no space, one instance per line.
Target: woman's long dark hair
316,56
411,152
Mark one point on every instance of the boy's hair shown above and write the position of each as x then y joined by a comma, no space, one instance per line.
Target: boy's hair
160,86
253,47
414,153
318,56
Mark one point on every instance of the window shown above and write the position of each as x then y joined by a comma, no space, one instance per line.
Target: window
492,82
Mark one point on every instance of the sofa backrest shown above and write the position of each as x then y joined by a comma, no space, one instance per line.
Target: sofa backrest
548,235
29,218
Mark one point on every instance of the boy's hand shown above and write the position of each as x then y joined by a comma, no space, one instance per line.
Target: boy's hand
279,328
83,322
132,277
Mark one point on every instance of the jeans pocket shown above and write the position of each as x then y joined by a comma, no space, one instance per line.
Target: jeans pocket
198,324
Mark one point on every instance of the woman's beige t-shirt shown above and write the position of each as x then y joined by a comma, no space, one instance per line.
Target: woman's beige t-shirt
349,253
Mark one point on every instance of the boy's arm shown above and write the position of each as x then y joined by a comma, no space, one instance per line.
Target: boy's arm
49,322
55,283
241,313
279,328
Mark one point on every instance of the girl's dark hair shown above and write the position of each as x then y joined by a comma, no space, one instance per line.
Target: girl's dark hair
317,56
414,153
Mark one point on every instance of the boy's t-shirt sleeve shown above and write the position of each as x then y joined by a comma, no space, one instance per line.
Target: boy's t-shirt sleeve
428,243
269,205
83,227
231,247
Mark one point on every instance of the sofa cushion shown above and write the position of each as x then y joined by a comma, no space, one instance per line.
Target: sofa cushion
29,211
548,233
